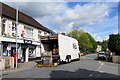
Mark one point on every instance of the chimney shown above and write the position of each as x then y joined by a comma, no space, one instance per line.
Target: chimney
63,33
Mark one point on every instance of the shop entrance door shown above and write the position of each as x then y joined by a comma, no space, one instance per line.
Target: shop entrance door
24,53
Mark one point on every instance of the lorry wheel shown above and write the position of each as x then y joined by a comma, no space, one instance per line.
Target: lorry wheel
68,59
79,57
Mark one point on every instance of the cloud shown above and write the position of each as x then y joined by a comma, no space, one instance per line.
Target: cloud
98,37
60,17
60,0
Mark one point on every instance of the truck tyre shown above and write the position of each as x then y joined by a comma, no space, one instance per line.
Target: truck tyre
68,59
79,57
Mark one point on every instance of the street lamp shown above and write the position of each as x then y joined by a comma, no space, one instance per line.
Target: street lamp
16,36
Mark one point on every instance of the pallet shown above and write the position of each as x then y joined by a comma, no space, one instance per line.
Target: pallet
45,65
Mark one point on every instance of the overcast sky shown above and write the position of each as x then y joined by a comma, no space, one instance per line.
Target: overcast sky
97,18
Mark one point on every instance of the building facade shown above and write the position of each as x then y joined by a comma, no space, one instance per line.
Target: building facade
28,32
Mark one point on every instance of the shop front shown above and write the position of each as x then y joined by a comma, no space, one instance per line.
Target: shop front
27,49
9,48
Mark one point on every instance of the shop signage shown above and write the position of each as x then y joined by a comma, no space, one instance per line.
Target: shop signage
27,42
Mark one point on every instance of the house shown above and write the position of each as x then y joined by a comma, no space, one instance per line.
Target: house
28,34
99,47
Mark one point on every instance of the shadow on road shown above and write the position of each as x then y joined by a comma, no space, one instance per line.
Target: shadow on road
104,60
82,73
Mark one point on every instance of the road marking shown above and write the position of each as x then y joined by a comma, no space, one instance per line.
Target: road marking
100,66
98,69
83,57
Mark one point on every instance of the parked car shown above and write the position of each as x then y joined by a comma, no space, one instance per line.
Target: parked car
102,55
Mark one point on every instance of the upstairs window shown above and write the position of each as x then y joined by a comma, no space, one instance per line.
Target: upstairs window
28,32
45,34
39,34
13,28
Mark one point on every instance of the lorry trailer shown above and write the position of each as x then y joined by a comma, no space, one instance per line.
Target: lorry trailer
59,48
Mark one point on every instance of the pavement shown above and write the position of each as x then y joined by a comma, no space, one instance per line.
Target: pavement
21,67
87,67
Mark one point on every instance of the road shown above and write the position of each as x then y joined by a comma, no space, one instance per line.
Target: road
87,67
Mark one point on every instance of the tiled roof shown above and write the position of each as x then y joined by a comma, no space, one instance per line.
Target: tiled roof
10,12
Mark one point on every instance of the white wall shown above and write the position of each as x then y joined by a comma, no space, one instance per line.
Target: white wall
26,55
38,51
35,35
0,26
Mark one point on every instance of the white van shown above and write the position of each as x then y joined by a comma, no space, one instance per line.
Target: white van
63,48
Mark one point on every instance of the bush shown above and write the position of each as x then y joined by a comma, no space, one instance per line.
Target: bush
114,44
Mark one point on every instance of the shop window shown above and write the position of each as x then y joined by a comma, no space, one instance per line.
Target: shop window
28,32
5,51
31,53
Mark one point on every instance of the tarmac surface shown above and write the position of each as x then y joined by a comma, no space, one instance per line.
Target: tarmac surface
87,67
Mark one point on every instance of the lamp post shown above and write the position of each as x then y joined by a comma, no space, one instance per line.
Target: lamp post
16,36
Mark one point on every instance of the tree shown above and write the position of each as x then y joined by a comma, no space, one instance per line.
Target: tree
114,43
75,33
105,45
85,40
94,43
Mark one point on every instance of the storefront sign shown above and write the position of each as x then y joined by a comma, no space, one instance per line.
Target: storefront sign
27,41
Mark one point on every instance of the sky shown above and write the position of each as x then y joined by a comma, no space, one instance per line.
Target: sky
100,19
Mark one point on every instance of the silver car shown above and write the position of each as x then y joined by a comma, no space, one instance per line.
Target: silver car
102,55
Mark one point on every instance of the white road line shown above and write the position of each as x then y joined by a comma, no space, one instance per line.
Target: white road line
83,57
98,69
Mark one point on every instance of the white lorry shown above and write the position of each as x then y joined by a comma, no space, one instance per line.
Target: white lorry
63,48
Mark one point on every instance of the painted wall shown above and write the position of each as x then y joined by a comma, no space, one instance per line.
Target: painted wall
0,26
8,30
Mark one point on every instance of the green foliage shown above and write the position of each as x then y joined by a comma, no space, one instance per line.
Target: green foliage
75,33
114,44
104,45
85,40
